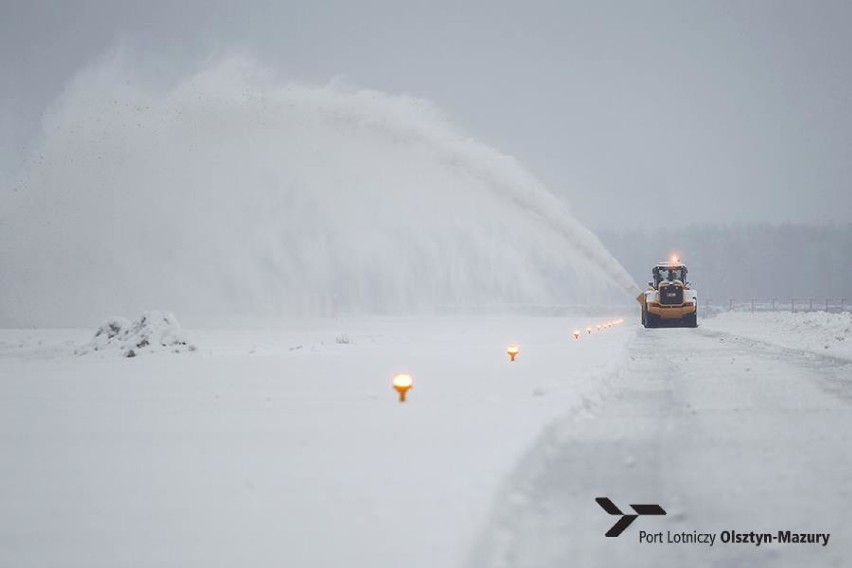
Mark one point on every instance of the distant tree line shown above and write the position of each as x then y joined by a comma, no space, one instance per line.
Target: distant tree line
743,262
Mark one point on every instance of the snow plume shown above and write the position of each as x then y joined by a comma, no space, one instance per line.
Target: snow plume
231,194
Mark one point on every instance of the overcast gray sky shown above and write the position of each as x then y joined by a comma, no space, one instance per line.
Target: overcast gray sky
635,111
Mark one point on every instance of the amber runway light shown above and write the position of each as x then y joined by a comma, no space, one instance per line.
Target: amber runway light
577,334
401,383
513,351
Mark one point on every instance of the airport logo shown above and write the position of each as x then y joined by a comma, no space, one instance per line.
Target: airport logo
695,537
626,519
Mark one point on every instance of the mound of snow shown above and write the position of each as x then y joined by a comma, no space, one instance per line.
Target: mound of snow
153,332
816,332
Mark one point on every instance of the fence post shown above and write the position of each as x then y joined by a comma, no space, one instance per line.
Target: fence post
826,305
752,305
793,306
731,305
773,304
810,304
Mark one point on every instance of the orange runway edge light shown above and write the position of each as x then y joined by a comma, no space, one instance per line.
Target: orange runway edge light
513,351
401,383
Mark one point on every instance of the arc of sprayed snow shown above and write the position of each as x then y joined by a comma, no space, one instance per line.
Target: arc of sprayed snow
431,127
530,196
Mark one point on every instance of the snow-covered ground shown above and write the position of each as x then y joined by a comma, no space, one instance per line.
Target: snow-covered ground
722,427
815,332
285,445
281,446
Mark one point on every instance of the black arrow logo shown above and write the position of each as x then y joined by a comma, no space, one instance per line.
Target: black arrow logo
626,520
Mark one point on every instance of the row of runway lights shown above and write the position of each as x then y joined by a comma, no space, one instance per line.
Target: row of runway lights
403,382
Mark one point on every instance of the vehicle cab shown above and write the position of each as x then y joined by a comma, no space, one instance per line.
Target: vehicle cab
669,299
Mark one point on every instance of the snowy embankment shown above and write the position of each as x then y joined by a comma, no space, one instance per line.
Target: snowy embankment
281,446
816,332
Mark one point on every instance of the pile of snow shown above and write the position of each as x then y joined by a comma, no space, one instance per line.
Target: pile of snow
816,332
153,332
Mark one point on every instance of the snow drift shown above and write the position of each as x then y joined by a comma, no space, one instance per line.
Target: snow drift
154,331
820,333
228,193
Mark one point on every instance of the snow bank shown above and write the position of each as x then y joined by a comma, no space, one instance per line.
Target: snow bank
816,332
154,331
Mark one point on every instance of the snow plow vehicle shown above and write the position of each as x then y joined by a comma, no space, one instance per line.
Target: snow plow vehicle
669,300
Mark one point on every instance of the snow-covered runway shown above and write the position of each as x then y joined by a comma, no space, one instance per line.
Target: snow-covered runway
284,445
725,433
